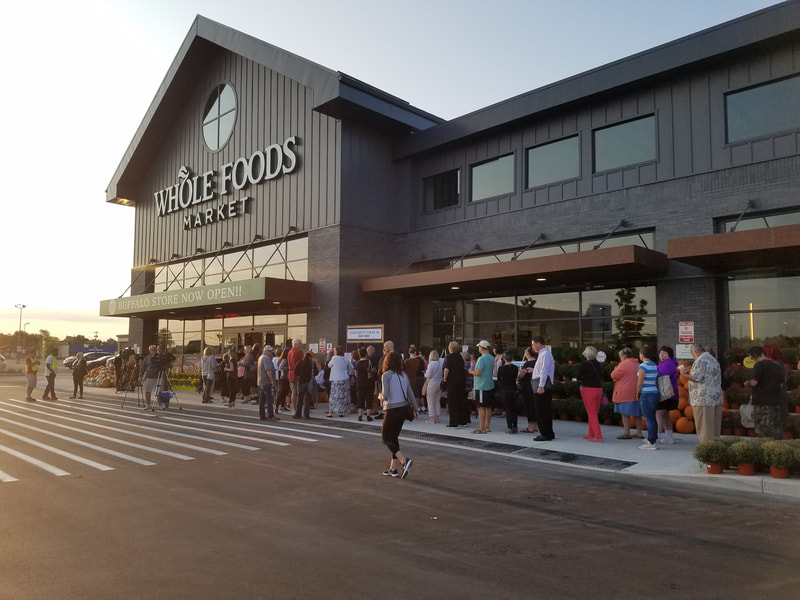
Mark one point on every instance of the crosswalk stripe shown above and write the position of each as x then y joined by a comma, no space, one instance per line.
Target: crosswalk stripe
95,447
118,430
75,457
106,437
5,477
165,431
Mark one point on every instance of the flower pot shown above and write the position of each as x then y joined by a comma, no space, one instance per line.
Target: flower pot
579,419
714,469
797,408
727,431
608,421
740,431
778,473
787,435
747,469
564,417
734,406
751,432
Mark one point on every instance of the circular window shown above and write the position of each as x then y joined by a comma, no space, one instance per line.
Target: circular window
219,116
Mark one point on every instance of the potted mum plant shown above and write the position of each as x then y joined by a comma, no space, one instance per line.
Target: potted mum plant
780,456
713,454
746,454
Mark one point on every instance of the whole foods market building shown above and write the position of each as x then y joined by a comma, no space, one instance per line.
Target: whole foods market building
276,198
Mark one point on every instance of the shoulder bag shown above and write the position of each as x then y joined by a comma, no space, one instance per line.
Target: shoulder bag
410,409
746,414
665,389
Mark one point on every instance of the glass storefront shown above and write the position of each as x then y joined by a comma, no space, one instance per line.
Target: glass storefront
764,310
605,318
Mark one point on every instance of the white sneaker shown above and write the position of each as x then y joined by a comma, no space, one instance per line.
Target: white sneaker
648,446
668,439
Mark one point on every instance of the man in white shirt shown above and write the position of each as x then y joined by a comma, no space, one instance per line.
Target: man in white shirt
51,366
542,383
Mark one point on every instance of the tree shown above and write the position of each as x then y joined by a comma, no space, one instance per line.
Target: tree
630,322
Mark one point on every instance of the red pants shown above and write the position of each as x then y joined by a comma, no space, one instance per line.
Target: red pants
591,400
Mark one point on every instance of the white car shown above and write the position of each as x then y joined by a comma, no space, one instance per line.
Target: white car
2,363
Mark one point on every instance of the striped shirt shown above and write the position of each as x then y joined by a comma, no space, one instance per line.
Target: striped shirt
650,373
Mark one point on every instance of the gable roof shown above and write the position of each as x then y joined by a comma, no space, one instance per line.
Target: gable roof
335,94
754,28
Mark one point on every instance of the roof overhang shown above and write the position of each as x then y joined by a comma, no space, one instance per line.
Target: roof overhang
264,295
626,263
737,250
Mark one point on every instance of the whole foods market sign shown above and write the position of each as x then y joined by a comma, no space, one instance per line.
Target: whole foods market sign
192,190
210,295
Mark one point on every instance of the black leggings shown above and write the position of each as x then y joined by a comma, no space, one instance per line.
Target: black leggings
78,385
390,428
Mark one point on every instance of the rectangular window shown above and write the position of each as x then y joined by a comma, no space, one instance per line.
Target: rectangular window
625,144
556,161
492,178
442,190
763,222
770,108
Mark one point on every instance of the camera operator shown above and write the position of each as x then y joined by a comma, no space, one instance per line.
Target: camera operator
150,370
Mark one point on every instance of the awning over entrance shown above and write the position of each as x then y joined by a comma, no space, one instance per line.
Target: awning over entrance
263,295
755,248
626,263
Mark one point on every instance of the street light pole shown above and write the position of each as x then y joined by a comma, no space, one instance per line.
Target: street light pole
19,345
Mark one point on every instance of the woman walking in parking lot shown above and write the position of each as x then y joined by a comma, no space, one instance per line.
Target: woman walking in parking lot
79,370
396,393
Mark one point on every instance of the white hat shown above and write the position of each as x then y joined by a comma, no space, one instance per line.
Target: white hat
484,344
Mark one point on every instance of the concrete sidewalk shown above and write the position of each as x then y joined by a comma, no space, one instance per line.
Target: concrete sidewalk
674,461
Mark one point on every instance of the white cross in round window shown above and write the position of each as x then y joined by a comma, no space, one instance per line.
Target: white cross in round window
219,117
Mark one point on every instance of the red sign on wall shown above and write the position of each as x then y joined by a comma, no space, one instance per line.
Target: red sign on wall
686,332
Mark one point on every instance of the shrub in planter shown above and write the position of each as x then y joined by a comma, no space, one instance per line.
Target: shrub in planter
779,454
746,452
577,409
713,452
572,389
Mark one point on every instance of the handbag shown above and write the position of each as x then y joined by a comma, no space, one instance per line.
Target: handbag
410,410
747,415
665,389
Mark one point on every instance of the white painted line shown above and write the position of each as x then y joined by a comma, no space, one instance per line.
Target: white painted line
189,413
94,447
5,477
75,457
105,437
118,430
164,431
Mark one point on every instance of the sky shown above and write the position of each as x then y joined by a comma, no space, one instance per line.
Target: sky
79,76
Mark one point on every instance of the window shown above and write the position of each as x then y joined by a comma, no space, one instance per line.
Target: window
492,178
442,190
219,117
763,222
764,310
770,108
625,144
556,161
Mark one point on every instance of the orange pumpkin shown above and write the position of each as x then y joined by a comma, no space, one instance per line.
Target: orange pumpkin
688,412
683,403
674,415
684,425
106,383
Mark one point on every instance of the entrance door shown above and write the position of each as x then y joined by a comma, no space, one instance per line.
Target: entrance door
274,335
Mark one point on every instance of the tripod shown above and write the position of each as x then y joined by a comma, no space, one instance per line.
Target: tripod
165,393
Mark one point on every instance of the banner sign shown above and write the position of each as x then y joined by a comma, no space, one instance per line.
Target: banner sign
210,295
364,333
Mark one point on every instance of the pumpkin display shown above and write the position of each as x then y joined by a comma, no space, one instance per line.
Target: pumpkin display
688,412
674,415
684,425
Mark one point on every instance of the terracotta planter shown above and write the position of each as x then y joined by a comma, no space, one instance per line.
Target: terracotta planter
751,432
608,421
778,473
727,431
579,419
787,435
747,469
734,406
740,431
797,408
564,417
714,469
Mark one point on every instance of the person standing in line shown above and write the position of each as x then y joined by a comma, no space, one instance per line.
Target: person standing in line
31,372
524,382
484,386
454,381
365,385
150,370
293,359
51,367
283,394
433,386
305,372
705,393
79,370
251,372
266,385
412,368
542,384
591,378
208,366
241,371
647,392
396,394
626,403
339,399
507,386
768,384
229,370
667,365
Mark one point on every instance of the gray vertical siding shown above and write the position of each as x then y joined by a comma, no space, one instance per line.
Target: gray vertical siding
271,108
690,117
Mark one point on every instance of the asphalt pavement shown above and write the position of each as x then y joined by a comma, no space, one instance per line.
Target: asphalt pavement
569,449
